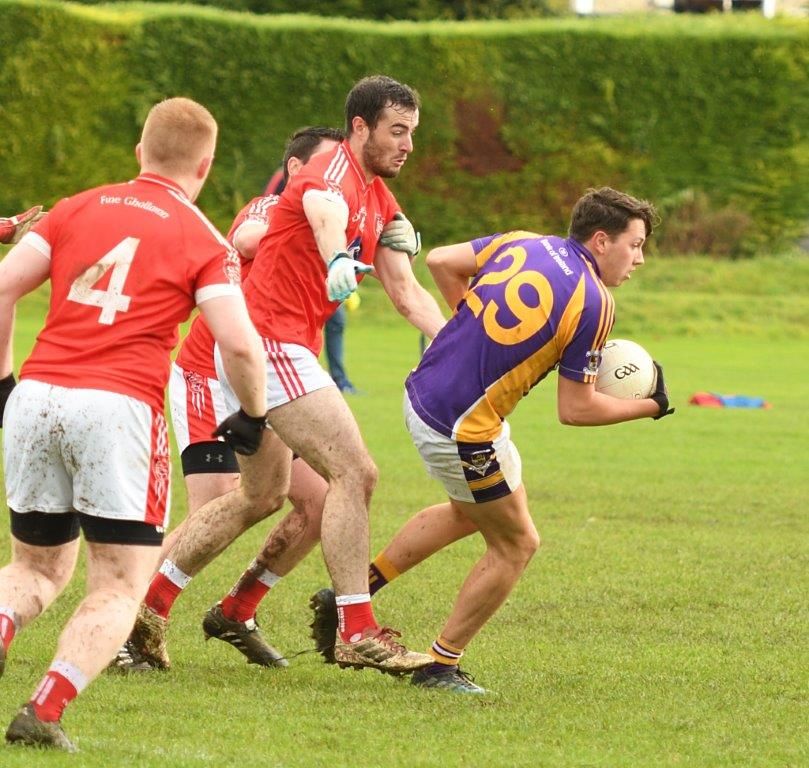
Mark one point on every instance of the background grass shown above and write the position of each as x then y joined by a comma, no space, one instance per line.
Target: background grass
662,623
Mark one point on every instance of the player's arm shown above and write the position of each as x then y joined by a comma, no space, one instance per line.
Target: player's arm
240,348
580,405
328,217
23,269
327,214
412,301
452,267
248,236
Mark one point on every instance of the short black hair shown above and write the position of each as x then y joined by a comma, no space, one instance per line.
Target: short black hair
610,211
372,94
305,141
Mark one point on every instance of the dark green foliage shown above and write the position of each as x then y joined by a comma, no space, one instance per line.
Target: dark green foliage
384,10
517,119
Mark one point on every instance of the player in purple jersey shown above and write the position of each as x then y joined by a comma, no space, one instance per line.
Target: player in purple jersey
524,304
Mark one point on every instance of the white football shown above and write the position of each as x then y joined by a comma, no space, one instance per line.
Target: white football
626,371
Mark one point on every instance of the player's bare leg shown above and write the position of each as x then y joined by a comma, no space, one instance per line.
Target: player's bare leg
262,490
321,429
511,541
117,577
200,489
421,536
33,579
296,535
233,619
263,486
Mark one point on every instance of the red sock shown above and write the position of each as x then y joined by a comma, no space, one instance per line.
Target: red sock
353,617
161,595
7,630
54,693
242,601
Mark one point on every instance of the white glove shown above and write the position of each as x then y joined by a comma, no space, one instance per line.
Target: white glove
400,235
342,279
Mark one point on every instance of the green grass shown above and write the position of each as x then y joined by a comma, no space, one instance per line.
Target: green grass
663,622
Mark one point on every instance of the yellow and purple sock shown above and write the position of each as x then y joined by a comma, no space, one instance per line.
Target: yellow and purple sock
380,572
445,655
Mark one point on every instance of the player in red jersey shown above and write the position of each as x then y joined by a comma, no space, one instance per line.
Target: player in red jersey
211,470
85,441
334,219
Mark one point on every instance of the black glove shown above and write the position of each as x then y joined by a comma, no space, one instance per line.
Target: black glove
661,394
242,432
6,385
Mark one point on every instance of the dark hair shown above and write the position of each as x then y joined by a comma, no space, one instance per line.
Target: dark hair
611,211
305,141
372,94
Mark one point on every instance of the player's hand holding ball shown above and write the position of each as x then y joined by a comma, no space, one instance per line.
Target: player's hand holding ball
661,394
342,278
242,432
400,235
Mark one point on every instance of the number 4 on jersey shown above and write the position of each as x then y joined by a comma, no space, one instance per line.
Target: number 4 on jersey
112,300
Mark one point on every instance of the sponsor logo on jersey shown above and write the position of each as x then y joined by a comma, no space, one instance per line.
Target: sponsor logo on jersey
146,205
379,224
557,256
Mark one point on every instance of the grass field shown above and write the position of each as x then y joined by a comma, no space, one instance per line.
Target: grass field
663,622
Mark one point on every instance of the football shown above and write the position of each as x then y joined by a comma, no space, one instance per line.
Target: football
626,370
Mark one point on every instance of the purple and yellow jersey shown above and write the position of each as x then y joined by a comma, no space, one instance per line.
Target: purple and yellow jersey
535,303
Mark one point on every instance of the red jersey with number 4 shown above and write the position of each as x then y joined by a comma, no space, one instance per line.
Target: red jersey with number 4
196,352
286,291
128,263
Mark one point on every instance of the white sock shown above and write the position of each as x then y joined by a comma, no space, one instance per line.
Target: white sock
174,574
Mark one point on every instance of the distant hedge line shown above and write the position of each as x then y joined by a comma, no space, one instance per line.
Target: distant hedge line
707,119
413,10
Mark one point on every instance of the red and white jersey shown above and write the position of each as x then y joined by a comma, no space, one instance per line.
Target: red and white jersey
196,352
128,262
286,291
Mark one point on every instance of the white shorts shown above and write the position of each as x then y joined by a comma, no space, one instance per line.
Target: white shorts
89,450
197,406
292,371
473,472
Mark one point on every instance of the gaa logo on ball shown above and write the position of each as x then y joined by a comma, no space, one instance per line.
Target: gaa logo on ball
626,371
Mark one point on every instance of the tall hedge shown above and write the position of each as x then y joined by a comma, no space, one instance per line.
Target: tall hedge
413,10
517,119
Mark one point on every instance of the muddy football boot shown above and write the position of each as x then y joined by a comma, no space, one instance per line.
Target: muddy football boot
378,649
244,636
129,661
450,679
26,728
324,623
148,638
